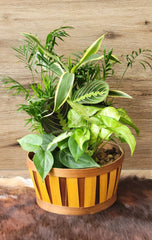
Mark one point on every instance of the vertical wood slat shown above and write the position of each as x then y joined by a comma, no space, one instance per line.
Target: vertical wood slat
34,183
43,189
112,180
117,179
81,191
103,187
73,193
63,190
90,191
55,190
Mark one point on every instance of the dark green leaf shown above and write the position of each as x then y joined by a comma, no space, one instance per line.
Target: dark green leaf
85,161
43,161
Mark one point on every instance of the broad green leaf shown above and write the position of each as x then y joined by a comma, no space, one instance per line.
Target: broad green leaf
63,144
63,89
124,118
74,148
90,51
30,142
92,93
57,163
117,93
81,135
84,111
94,133
43,161
47,138
59,138
75,120
105,134
85,161
116,127
56,68
109,112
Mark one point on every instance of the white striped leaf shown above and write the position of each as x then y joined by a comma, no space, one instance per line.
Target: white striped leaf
90,51
63,89
92,93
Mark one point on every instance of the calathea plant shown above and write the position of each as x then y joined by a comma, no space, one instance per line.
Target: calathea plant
70,108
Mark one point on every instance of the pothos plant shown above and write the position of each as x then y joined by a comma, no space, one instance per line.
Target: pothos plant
70,108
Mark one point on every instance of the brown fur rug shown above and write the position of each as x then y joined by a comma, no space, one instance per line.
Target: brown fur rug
130,218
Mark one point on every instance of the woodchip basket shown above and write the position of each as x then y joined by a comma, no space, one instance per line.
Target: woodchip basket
77,191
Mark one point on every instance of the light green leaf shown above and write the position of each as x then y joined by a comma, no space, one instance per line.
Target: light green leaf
94,133
85,161
63,144
75,120
59,138
109,112
117,93
105,134
92,93
43,161
30,142
124,118
75,150
114,126
63,89
90,51
81,135
84,111
47,138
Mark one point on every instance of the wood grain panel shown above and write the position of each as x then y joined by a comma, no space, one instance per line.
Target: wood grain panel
128,25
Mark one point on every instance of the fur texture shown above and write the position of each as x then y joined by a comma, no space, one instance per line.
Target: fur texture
130,218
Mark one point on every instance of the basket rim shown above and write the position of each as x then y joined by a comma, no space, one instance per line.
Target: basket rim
83,172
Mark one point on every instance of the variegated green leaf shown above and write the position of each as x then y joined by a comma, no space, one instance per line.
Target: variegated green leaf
84,111
117,93
121,130
90,51
124,118
93,57
58,139
63,89
92,93
56,68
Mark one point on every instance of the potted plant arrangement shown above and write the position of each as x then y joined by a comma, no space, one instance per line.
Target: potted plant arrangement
73,158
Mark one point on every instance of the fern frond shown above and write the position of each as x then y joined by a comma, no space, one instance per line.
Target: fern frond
15,86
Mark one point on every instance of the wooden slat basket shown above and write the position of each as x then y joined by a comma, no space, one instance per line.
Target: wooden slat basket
77,191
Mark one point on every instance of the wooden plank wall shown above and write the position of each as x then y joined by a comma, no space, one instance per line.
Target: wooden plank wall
128,25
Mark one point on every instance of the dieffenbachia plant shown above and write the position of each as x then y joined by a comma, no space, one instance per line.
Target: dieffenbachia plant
88,127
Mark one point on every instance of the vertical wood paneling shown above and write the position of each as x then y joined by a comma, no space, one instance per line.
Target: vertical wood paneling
73,193
55,190
112,180
103,187
90,191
